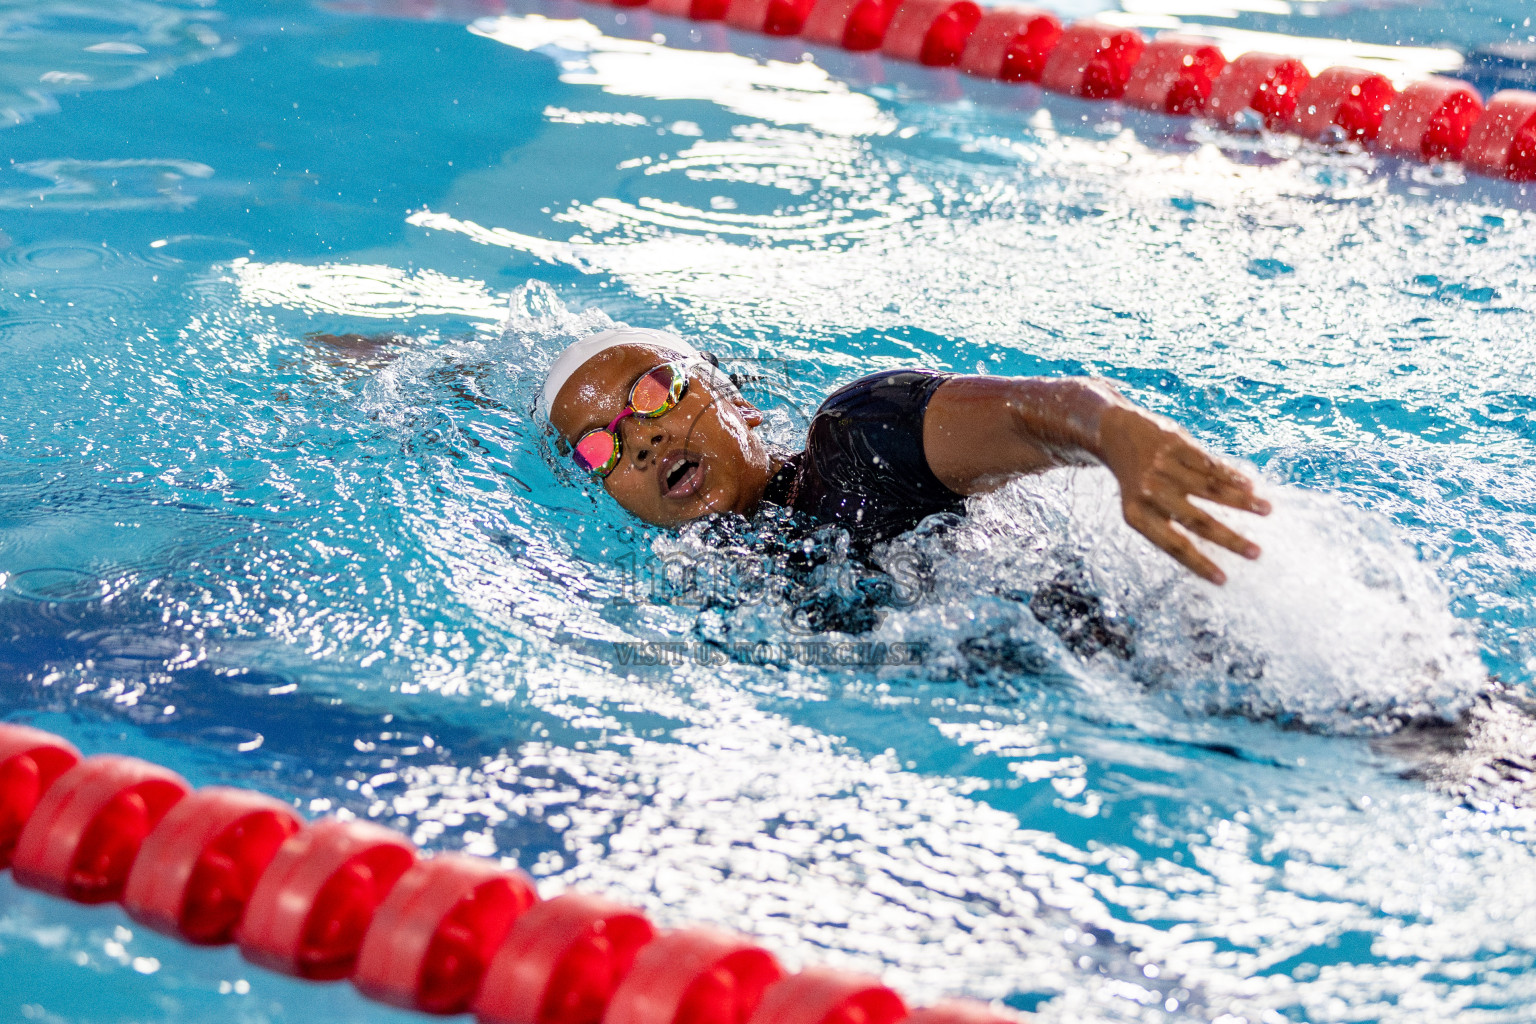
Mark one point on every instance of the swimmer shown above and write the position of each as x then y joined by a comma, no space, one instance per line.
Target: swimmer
673,440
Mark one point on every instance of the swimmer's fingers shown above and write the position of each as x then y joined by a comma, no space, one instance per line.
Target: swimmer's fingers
1171,499
1208,477
1161,531
1203,524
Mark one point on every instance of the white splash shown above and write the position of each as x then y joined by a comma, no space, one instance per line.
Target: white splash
364,290
1339,626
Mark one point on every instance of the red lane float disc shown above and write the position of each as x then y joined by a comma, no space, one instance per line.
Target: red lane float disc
1011,43
310,910
1266,83
1175,75
1430,120
1093,60
694,976
1348,98
197,869
819,995
561,962
1503,142
828,21
30,761
867,24
852,24
931,32
432,938
86,831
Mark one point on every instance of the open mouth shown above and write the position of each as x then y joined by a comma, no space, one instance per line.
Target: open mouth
680,476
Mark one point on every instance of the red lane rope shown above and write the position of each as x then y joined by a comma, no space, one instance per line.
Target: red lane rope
333,899
1434,119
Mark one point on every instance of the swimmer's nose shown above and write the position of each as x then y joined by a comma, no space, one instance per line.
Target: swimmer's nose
644,454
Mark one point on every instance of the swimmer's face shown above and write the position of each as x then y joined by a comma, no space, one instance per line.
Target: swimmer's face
700,457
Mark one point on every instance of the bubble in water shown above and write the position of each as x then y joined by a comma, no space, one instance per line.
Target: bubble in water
55,584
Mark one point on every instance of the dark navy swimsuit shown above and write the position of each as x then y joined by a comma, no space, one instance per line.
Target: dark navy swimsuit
863,466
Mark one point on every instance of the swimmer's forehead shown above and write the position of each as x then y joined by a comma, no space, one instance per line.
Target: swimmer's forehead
599,388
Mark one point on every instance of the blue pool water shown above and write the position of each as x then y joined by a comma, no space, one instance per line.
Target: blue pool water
353,577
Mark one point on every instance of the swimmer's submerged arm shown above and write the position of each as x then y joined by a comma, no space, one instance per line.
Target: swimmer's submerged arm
979,432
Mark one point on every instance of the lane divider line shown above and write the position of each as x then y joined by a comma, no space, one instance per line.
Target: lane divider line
1436,119
333,899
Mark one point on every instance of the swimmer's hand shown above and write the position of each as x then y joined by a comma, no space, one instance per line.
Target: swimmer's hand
1160,468
979,432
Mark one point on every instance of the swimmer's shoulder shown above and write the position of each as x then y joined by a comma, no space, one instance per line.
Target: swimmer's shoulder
902,390
864,466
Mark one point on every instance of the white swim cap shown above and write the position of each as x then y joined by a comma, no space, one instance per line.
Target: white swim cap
580,352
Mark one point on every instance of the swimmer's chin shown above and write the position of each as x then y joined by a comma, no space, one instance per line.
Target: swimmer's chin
688,499
702,506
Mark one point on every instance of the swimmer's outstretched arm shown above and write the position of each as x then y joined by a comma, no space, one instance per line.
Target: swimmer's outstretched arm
981,431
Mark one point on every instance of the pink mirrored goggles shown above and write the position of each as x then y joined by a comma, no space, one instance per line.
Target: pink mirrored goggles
655,394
